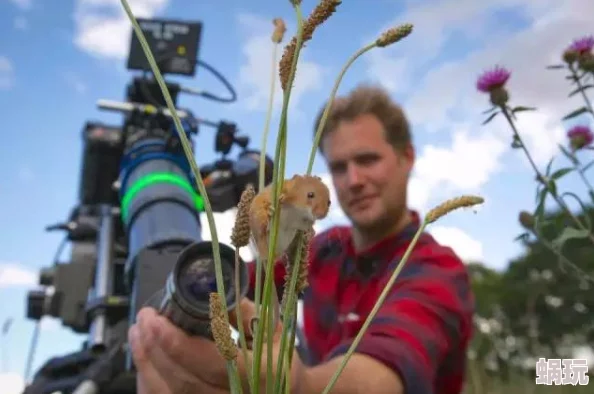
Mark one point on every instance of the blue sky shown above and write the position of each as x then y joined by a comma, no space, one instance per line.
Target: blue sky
57,59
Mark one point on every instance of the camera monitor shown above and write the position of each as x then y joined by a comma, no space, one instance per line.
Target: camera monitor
174,45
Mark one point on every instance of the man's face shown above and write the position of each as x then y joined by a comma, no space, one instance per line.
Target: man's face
369,176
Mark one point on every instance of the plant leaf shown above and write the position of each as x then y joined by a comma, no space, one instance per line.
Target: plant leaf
568,154
548,170
580,89
539,220
575,113
538,191
522,237
590,164
567,234
523,109
490,118
561,172
582,205
493,108
539,212
552,187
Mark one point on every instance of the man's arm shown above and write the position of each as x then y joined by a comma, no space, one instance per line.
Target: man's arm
362,374
425,319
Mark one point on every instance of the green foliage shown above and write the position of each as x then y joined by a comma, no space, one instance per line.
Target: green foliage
577,112
522,109
491,117
539,306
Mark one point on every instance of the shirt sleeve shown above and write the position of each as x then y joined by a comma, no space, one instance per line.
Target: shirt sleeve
424,323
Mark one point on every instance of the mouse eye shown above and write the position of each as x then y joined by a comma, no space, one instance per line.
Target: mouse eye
329,202
310,195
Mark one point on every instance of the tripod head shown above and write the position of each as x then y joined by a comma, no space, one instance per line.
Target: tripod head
136,233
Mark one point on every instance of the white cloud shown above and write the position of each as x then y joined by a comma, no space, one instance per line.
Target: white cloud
449,88
389,70
6,73
466,247
13,274
103,28
224,222
464,166
23,4
254,74
463,244
12,383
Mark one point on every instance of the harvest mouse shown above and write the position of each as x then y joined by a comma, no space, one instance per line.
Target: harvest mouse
303,200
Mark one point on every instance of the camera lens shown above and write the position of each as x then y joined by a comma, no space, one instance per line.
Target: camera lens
196,280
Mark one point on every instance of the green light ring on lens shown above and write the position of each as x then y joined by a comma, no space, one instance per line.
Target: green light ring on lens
156,178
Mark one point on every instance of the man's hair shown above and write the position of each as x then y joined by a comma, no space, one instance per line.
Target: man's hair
368,100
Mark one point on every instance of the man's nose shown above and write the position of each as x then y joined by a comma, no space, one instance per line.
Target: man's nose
354,176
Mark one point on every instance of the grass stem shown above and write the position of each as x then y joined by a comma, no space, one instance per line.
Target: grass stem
376,308
318,136
539,175
278,178
262,173
234,374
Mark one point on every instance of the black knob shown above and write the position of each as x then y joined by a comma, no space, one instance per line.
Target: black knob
46,276
35,304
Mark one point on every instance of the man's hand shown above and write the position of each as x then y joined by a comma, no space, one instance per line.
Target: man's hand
168,361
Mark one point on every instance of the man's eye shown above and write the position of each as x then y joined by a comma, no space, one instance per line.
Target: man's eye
368,160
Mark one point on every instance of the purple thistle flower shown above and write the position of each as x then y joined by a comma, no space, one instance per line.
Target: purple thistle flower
492,79
582,45
580,137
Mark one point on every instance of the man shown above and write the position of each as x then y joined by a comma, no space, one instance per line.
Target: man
418,340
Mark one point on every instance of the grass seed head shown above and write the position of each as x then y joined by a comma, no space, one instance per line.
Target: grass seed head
240,235
319,15
279,30
393,35
451,205
302,282
220,329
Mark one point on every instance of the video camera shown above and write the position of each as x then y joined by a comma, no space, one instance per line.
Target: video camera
136,232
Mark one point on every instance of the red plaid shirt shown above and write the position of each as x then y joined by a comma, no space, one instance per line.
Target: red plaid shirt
423,328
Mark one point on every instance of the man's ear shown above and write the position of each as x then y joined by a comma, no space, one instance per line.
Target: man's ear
407,155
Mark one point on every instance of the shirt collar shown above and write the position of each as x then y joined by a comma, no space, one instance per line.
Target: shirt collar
367,263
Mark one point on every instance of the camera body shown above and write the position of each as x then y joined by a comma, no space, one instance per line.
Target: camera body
136,230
